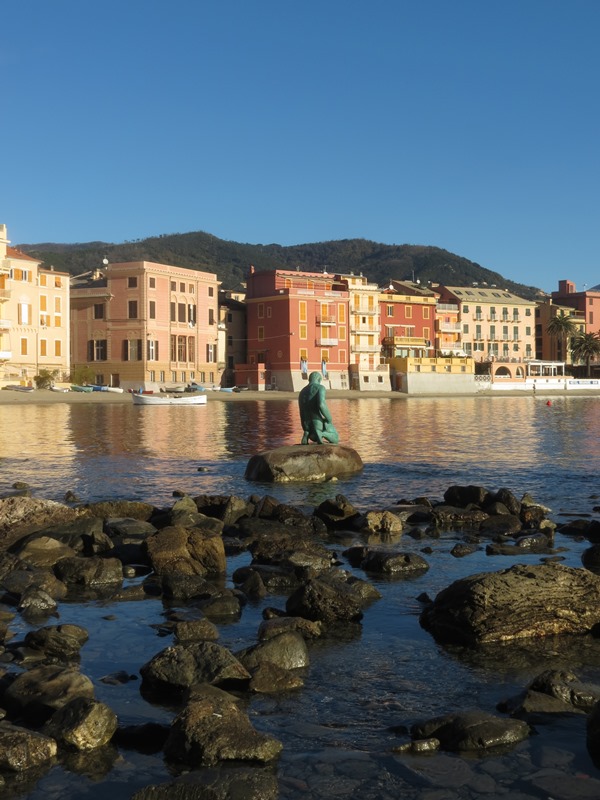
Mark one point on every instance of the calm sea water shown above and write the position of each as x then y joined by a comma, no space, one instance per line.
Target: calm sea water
339,730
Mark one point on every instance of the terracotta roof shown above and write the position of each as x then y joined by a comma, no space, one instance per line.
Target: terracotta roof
12,252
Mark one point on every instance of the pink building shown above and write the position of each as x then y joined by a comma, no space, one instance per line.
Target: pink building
141,324
586,302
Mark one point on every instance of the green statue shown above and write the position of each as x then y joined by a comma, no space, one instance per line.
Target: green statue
314,414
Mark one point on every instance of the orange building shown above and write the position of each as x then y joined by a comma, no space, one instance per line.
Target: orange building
408,314
586,302
145,325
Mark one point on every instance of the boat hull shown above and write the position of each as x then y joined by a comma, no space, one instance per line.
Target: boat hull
168,400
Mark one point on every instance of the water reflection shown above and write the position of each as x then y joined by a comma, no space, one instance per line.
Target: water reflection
409,447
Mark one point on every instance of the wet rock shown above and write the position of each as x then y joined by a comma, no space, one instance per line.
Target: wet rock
461,549
306,463
268,678
82,724
92,571
180,666
22,749
500,525
212,729
389,562
472,731
120,508
567,687
149,737
276,579
36,603
40,691
215,784
253,586
183,551
20,580
44,551
128,529
385,523
20,516
184,587
222,605
287,650
61,642
463,496
508,500
520,602
306,628
227,508
195,630
320,600
536,707
338,514
454,517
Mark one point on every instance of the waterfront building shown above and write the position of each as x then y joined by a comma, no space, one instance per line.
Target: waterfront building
497,326
297,323
34,317
547,346
408,320
587,302
232,347
144,325
367,367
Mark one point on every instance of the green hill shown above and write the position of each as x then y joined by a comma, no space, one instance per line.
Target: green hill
231,260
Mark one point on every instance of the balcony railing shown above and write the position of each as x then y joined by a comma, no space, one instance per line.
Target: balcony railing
447,307
325,342
5,324
356,327
363,311
449,326
5,355
405,341
366,348
326,319
5,294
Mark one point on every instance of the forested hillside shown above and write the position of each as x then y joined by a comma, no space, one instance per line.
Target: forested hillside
231,260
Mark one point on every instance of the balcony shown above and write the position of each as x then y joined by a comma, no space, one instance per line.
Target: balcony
357,327
364,311
365,348
326,319
5,294
450,307
449,326
405,341
325,341
5,324
5,355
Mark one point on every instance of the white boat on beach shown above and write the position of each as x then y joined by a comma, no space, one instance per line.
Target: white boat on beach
164,399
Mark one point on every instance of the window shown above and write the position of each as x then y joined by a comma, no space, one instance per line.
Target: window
57,282
408,312
152,354
302,311
303,332
173,286
478,312
268,312
43,303
182,287
181,348
98,310
341,313
181,308
465,309
132,309
161,376
230,341
527,331
191,349
211,316
24,315
183,377
42,279
131,283
43,347
173,312
465,328
342,356
152,309
516,333
57,347
174,377
211,353
152,375
261,333
390,311
173,348
211,291
132,350
528,312
425,312
426,333
261,310
97,350
191,288
152,285
342,333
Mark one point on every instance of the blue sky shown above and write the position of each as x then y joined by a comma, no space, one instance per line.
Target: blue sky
471,125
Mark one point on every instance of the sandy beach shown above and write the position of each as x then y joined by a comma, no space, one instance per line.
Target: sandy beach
45,396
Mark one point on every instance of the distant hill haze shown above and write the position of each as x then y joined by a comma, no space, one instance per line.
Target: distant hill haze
380,263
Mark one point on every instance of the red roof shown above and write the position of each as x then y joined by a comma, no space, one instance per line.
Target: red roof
12,252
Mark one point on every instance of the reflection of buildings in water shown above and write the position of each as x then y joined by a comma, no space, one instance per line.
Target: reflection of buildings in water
35,431
104,430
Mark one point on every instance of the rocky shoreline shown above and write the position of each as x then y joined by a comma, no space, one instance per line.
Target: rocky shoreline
53,553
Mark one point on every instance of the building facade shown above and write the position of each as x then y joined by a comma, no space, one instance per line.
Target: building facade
586,302
34,317
408,321
497,326
555,348
145,325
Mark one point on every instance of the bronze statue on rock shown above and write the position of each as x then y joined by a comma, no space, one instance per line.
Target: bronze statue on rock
315,415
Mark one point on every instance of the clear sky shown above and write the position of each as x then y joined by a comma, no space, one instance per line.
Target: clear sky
471,125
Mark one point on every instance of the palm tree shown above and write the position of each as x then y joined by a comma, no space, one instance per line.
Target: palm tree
562,327
586,347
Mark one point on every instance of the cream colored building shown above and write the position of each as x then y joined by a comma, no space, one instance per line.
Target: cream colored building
367,368
497,326
34,317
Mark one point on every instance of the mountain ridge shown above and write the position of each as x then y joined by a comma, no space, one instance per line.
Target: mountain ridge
380,263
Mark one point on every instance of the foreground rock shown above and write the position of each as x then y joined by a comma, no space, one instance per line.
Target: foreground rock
472,731
516,603
82,724
213,728
314,463
21,749
22,515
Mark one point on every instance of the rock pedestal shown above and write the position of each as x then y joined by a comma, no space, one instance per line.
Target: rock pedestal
312,462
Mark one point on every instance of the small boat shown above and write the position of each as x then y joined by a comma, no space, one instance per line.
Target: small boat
164,399
16,387
102,388
59,389
81,388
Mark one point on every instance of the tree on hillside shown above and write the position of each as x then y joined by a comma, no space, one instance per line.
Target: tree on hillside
586,347
562,328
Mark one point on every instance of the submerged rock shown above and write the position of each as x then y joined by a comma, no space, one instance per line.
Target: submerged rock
314,463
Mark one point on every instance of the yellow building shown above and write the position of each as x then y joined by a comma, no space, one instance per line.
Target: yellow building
34,317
